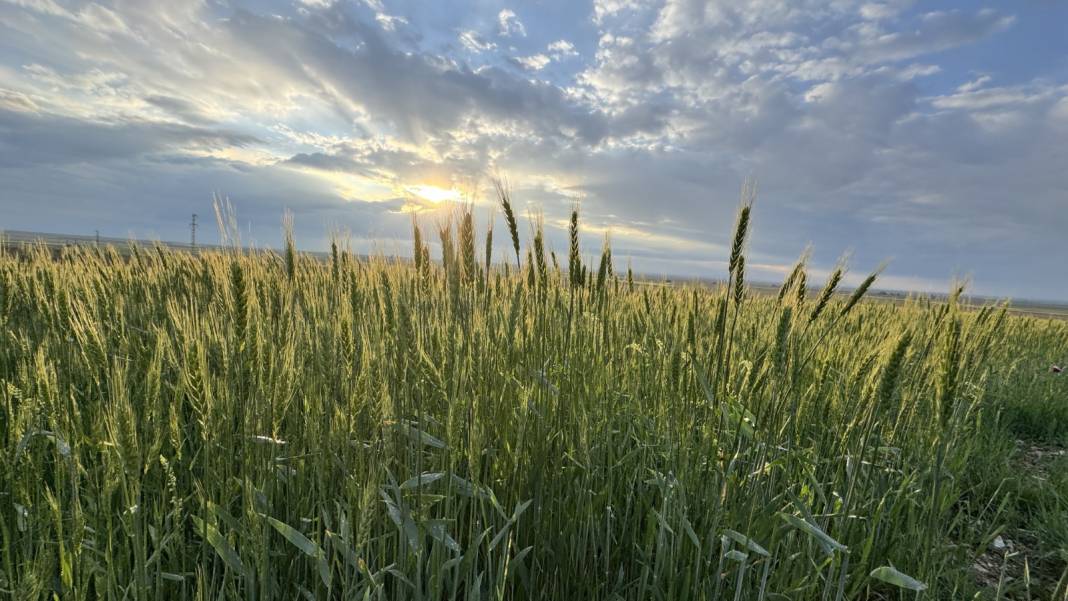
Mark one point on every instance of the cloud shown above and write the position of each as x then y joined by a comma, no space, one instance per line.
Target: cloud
182,109
864,122
17,101
604,9
56,140
561,49
918,70
509,24
390,22
419,96
974,84
936,31
878,11
973,96
556,51
49,7
103,19
474,42
534,62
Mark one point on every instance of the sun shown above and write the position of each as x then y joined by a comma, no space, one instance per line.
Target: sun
433,194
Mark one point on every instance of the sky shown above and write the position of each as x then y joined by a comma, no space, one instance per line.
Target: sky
929,134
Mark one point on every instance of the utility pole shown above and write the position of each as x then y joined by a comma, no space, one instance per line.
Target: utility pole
193,231
98,237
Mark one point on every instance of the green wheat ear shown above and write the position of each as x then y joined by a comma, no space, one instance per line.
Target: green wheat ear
290,246
335,260
574,258
825,295
892,370
537,227
469,263
417,244
739,280
862,289
505,198
741,229
795,275
604,268
801,288
741,226
489,245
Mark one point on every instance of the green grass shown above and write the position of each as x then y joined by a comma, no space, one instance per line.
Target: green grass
252,425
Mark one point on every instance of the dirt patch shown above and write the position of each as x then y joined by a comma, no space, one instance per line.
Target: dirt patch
1036,459
1014,567
1016,562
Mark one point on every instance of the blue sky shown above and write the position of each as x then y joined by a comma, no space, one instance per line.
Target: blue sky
929,133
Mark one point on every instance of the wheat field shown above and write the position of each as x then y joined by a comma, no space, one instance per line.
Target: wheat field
258,425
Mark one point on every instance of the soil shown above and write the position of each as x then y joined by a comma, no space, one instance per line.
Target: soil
1017,557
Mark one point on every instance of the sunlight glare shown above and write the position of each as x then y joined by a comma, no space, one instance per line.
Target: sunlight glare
433,194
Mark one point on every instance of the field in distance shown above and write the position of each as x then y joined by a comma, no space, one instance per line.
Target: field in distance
15,239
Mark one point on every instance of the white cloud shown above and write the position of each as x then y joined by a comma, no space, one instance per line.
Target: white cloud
558,50
509,24
103,19
474,42
1059,112
701,48
877,11
17,101
561,49
535,62
973,97
49,7
603,9
917,70
390,22
974,84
